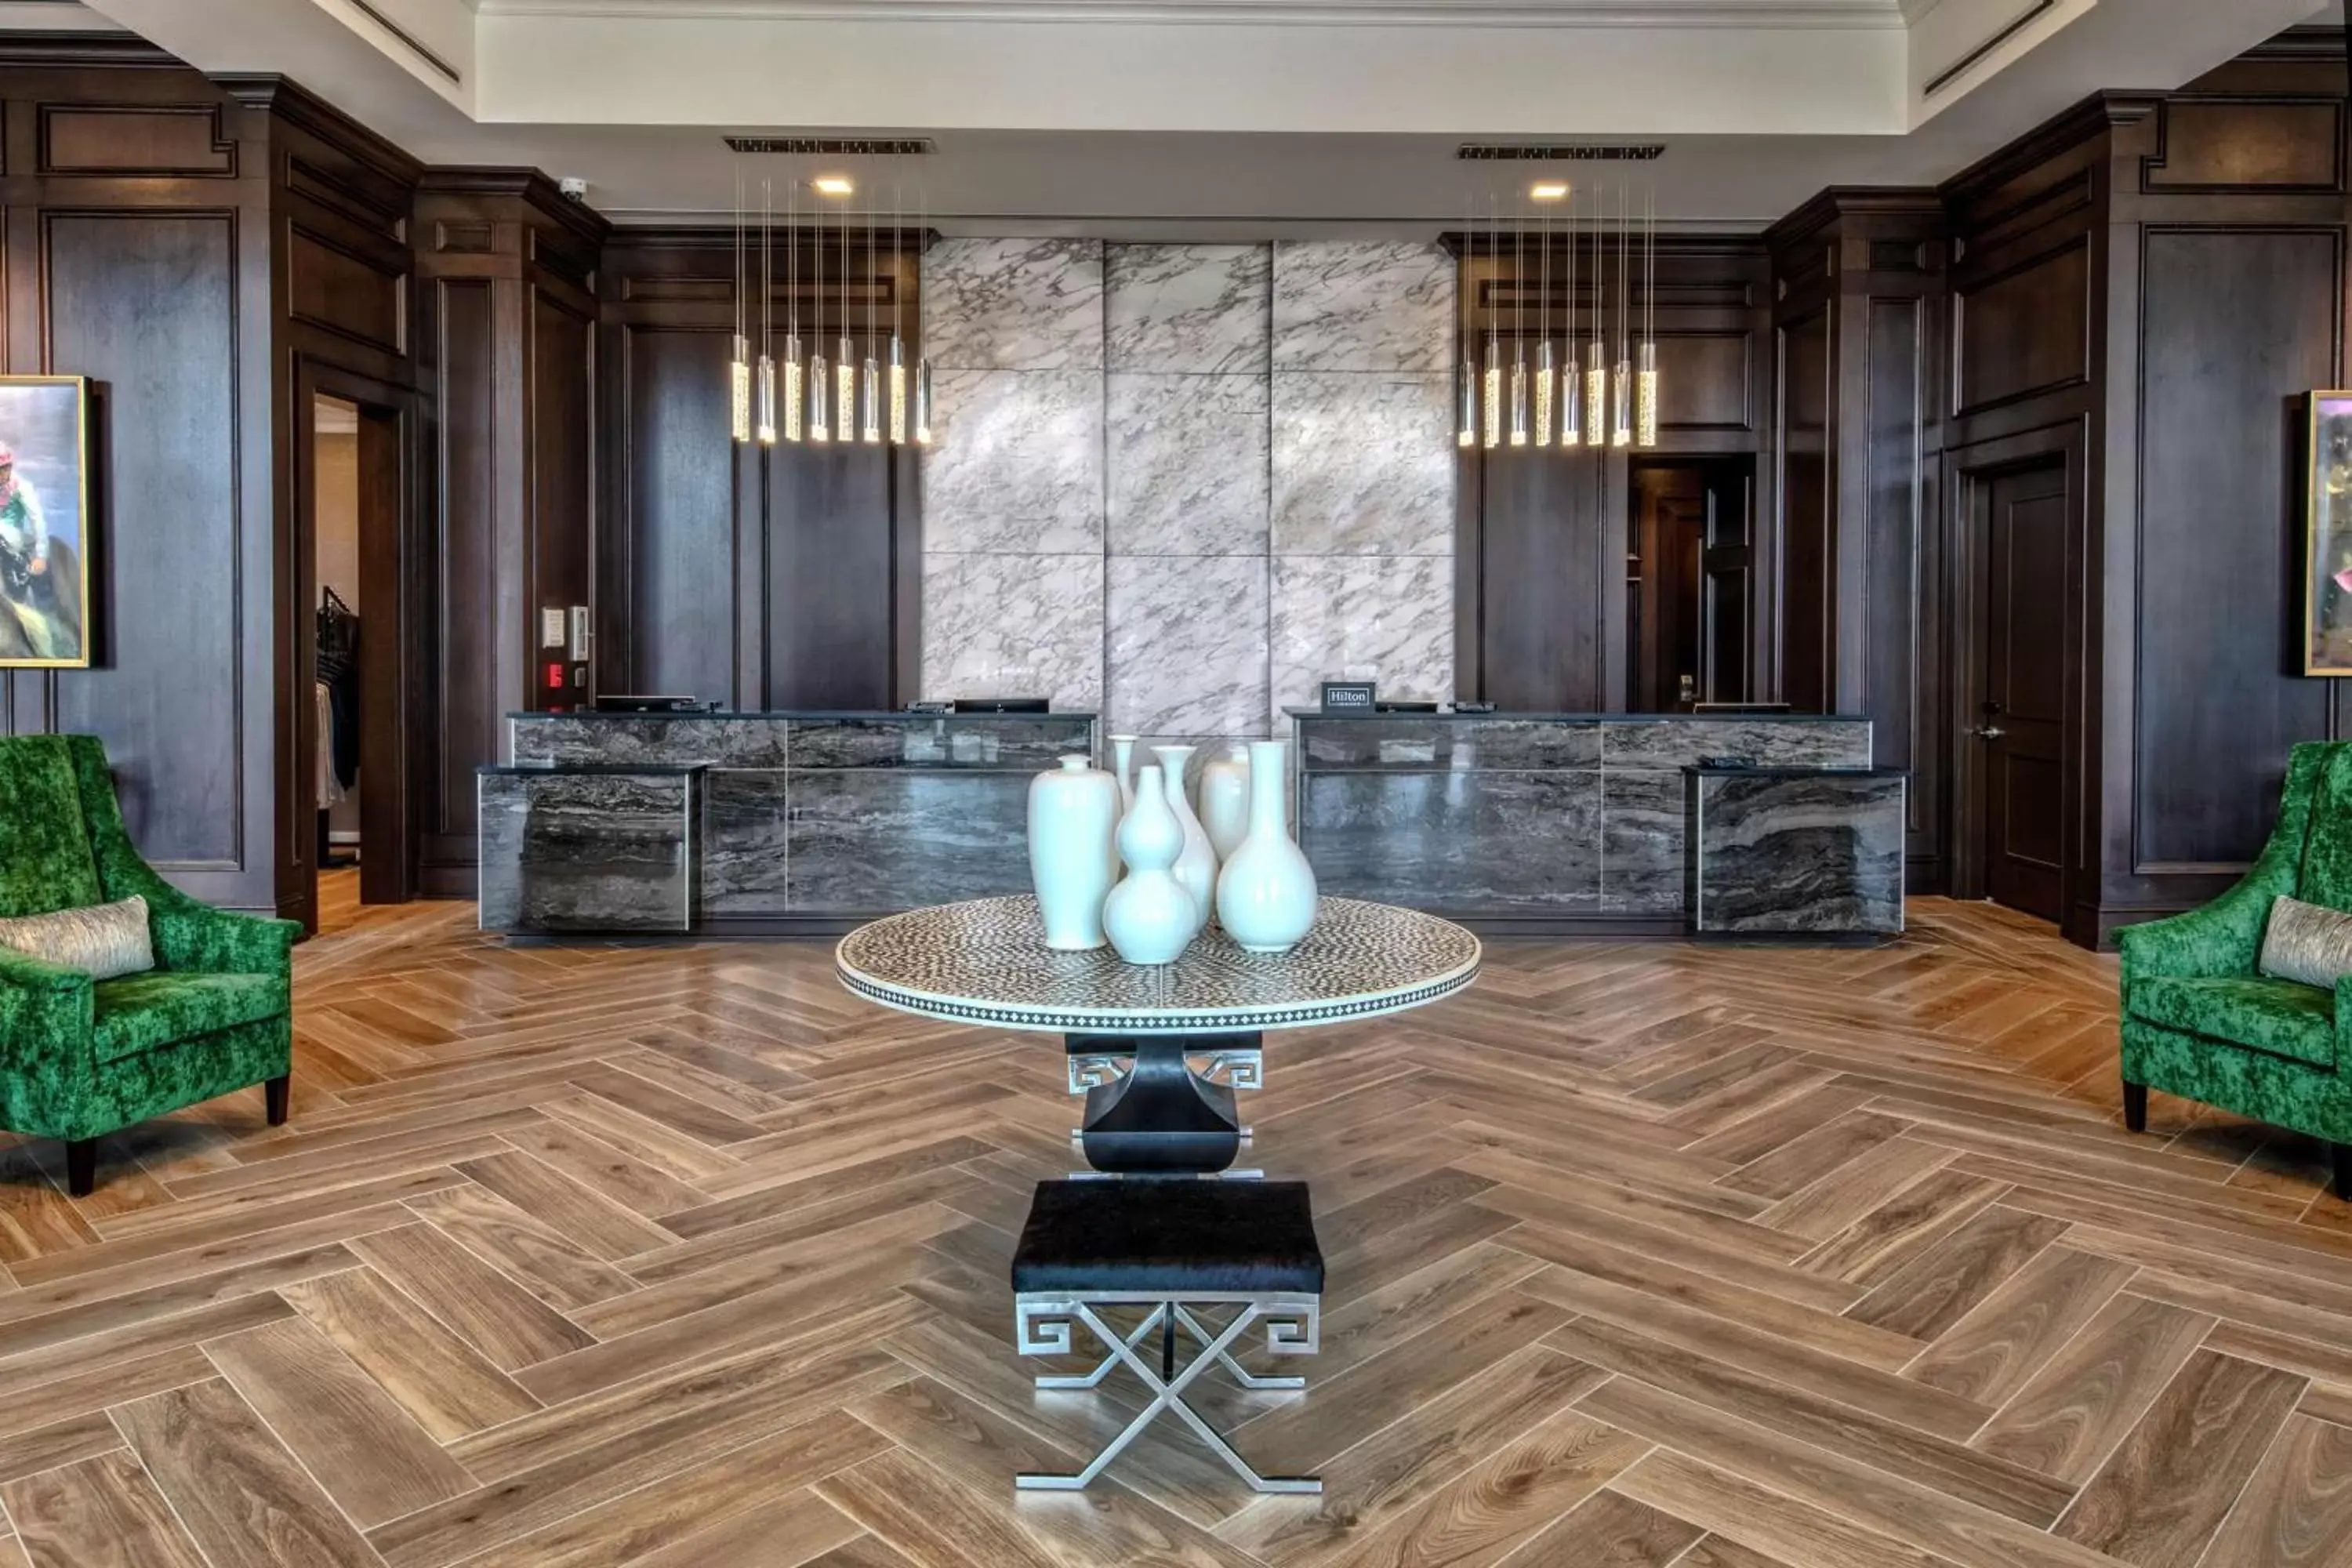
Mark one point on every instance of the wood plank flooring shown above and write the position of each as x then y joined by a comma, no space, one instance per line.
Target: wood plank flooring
681,1257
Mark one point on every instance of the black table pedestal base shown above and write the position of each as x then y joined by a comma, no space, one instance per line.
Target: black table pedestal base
1160,1117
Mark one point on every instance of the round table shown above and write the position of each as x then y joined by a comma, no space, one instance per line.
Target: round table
986,961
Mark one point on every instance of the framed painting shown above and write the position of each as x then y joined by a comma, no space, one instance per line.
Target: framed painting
44,523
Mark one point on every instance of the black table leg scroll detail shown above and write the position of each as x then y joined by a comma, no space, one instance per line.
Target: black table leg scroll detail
1160,1115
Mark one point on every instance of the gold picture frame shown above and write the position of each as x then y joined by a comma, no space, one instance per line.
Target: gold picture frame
45,522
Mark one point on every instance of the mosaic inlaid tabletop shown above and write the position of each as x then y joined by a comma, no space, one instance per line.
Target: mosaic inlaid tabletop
986,961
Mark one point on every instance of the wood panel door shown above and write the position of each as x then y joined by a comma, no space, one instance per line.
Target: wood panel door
2021,646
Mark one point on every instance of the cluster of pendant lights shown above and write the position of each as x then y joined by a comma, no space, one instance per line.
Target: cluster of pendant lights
863,395
1509,397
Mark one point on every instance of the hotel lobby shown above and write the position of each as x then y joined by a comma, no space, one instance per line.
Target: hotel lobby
1648,688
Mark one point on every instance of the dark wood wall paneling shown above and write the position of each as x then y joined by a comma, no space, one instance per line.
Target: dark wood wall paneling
1541,535
507,341
200,249
2130,302
766,578
1858,286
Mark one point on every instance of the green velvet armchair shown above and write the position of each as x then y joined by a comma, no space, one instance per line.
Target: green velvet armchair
2201,1022
80,1059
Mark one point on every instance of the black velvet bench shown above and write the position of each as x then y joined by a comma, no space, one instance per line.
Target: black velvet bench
1170,1244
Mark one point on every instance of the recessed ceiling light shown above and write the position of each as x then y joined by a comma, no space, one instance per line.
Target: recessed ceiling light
833,184
1548,190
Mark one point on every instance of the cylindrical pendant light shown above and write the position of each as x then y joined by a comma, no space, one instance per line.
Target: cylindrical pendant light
1645,385
1519,333
897,369
1571,384
1490,400
923,362
820,388
1620,423
739,362
1465,352
1596,348
763,405
845,356
1543,331
870,384
794,391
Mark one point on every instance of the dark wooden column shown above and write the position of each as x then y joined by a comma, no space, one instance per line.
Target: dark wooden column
506,270
1858,299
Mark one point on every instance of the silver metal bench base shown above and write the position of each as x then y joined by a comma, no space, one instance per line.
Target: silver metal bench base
1294,1325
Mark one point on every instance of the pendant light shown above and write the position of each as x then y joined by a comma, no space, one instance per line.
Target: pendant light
869,385
1518,330
845,354
1620,423
922,361
794,387
1465,356
897,369
1571,384
1596,352
819,390
739,362
1544,369
1491,390
763,405
1645,388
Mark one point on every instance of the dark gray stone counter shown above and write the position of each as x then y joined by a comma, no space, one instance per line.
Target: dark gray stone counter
609,848
1529,822
808,823
1795,851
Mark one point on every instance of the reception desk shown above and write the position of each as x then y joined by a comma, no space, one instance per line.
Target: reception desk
1557,823
757,823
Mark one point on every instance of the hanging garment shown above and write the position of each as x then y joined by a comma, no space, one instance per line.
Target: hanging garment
331,788
339,666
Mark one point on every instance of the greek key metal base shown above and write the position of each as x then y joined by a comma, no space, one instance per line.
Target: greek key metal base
1294,1326
1090,1066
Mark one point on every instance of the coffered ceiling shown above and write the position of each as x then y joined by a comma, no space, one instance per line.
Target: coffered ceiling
1210,118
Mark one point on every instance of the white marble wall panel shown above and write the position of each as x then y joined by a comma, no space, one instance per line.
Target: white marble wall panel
1014,626
1195,308
1364,464
1388,616
1016,463
1013,304
1354,305
1186,462
1187,648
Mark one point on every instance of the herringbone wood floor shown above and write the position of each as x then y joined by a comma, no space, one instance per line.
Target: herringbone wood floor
1638,1255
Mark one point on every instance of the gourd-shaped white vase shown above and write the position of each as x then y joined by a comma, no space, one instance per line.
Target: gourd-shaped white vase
1122,767
1196,868
1225,800
1072,814
1266,894
1149,917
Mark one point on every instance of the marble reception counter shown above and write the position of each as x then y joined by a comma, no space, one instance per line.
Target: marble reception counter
753,823
1533,822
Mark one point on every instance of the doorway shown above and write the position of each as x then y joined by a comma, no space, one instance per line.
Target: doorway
1686,584
2018,522
348,704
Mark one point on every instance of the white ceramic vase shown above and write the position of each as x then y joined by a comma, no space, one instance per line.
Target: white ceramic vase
1266,894
1122,767
1149,917
1225,800
1196,868
1072,814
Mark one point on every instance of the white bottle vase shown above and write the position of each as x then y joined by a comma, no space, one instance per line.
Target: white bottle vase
1072,814
1266,894
1149,917
1225,800
1196,868
1122,767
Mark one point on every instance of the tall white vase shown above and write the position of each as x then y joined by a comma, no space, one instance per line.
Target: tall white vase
1122,766
1196,868
1072,814
1149,917
1225,800
1266,894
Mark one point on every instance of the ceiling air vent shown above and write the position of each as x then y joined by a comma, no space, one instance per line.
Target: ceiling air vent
836,146
1561,152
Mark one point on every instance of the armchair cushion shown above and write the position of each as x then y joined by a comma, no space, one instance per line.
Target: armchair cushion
142,1011
2279,1016
45,860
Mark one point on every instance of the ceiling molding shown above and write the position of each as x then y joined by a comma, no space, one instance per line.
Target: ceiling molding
1738,14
